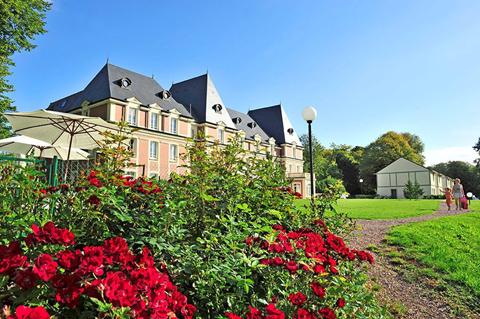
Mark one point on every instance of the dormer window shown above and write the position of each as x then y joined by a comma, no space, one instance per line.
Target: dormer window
237,120
217,108
252,124
290,131
165,94
125,83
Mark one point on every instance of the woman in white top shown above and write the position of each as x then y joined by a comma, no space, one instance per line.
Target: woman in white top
457,191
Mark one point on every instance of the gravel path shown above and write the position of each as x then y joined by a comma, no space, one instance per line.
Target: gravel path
419,301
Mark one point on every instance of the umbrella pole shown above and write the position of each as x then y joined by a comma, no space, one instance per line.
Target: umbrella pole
67,167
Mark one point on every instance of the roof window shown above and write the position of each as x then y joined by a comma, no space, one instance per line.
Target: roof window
290,131
237,120
165,94
252,124
217,108
125,83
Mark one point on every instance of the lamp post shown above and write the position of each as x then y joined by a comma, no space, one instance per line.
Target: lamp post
361,185
309,114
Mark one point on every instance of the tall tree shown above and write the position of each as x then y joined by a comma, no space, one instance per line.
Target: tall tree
325,168
465,171
20,22
386,149
348,159
476,147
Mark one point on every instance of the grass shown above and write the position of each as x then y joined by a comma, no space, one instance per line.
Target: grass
448,247
382,208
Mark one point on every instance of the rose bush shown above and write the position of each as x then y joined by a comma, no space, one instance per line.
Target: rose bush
106,281
197,224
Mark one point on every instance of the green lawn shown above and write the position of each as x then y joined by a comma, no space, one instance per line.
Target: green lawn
383,208
448,246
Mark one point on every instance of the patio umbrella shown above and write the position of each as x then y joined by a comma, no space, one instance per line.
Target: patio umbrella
61,129
31,146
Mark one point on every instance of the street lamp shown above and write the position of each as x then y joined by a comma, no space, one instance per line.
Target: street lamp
361,185
309,114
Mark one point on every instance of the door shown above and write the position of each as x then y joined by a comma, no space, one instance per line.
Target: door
393,193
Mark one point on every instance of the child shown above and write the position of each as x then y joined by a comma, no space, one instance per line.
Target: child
448,197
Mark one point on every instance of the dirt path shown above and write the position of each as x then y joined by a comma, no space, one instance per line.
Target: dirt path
419,301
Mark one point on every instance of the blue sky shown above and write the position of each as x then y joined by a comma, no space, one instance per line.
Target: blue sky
367,66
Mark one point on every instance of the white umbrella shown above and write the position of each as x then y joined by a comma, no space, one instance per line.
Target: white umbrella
76,154
31,146
61,129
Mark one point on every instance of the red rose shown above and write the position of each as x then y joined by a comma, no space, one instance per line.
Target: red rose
69,260
231,315
253,313
95,182
304,314
23,312
92,259
26,279
273,312
291,266
45,267
188,311
93,200
119,290
297,299
277,261
327,313
340,303
318,290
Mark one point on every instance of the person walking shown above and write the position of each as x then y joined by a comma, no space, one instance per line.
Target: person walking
448,197
458,193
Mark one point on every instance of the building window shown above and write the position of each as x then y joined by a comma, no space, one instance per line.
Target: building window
132,116
299,169
153,150
193,132
154,121
290,168
173,152
294,152
132,146
153,175
221,136
174,126
217,108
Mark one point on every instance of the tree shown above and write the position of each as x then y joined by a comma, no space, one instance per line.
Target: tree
348,159
476,147
413,190
386,149
327,173
20,22
467,172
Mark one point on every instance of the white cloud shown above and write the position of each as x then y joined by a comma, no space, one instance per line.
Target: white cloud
440,155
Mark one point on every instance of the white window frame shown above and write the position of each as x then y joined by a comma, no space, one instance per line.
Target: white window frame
152,116
150,148
130,109
174,128
173,156
132,145
221,135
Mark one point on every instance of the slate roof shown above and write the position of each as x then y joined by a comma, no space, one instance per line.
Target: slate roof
106,85
275,123
194,97
199,95
246,126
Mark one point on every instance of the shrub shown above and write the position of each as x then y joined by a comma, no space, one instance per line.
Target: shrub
106,281
413,190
